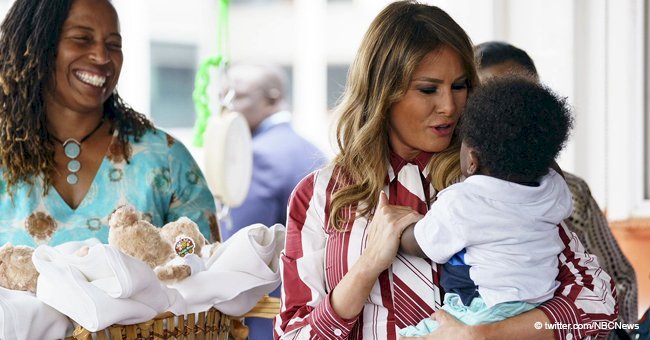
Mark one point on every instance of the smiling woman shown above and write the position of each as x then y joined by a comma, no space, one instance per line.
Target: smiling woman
89,59
71,150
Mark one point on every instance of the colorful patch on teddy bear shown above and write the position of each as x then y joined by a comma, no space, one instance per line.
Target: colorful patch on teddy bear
184,246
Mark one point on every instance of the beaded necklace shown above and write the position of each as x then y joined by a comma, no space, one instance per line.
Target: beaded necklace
72,150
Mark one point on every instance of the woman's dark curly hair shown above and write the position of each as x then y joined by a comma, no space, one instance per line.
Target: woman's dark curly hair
29,37
516,126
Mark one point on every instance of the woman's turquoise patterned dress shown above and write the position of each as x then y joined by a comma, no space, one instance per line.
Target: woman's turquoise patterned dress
161,180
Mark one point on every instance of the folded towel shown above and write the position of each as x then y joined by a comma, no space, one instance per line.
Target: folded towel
104,287
242,270
23,316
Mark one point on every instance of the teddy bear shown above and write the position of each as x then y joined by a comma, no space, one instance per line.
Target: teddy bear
156,246
238,330
132,235
17,270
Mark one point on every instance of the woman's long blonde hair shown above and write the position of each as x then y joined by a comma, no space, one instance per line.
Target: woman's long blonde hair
397,40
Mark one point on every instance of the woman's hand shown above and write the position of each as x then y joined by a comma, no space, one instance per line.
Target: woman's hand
448,328
516,327
385,230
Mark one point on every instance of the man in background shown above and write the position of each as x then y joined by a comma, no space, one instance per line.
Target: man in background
281,158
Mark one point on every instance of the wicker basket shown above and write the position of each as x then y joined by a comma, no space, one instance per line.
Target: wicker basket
267,308
204,325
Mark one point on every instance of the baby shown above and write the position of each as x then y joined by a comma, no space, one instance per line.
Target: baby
497,231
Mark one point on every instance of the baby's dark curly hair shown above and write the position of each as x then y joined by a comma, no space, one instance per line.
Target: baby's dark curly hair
517,127
29,37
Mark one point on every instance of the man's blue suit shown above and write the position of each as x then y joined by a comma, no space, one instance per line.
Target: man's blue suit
281,158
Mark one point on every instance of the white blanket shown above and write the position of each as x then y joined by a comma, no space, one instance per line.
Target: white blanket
102,288
242,270
108,287
23,316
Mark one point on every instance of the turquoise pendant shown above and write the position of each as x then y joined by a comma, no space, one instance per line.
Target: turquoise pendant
72,179
74,165
72,149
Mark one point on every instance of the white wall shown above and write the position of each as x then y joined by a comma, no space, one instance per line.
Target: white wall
589,95
624,116
588,50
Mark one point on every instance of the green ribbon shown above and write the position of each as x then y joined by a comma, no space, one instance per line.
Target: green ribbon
202,81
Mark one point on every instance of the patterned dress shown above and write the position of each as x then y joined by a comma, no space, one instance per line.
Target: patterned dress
161,180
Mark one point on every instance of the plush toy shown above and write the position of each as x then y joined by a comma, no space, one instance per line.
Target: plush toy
238,331
156,246
17,270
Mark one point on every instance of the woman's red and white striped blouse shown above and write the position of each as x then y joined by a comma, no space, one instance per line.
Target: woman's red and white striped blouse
316,258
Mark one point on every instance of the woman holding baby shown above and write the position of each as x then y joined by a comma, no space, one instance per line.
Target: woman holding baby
343,276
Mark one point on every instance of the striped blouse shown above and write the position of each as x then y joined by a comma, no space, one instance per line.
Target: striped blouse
316,258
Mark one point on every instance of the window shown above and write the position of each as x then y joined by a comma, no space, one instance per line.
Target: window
172,83
336,78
